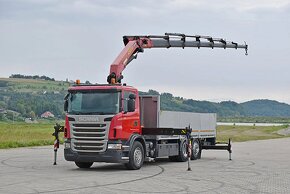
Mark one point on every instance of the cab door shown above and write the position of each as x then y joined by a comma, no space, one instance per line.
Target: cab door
130,120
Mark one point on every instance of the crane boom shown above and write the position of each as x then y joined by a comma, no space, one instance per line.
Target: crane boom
136,44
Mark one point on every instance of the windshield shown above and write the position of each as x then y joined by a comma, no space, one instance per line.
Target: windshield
93,102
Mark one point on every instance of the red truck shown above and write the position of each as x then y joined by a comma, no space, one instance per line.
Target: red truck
112,123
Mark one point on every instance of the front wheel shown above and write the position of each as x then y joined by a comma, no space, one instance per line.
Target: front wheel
84,164
136,156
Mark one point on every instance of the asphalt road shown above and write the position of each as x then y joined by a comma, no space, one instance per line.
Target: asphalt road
257,167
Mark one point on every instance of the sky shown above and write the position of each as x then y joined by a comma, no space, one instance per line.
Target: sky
79,39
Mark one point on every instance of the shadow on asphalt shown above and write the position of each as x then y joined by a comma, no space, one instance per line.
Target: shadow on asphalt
109,167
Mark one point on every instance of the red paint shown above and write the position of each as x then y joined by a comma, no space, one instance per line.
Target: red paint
131,47
128,123
100,87
66,128
125,124
116,124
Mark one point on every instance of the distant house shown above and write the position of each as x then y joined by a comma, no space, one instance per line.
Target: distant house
47,114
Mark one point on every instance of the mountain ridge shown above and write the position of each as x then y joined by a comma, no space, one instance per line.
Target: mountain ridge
33,97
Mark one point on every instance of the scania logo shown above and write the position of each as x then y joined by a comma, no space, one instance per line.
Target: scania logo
88,119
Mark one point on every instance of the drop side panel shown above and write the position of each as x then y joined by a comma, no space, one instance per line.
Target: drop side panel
203,124
149,110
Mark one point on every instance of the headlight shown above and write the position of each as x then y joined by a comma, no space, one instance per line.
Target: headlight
116,146
67,145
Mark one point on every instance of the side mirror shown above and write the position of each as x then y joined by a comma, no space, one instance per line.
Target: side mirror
65,107
132,96
131,105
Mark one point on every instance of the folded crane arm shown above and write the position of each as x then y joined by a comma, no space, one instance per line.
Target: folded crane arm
136,44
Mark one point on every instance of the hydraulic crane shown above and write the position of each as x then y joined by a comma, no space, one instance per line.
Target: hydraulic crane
112,123
136,44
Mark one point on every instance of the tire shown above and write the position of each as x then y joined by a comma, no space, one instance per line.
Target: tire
84,164
195,150
182,157
136,156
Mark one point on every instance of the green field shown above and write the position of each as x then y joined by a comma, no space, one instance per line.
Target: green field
34,86
20,134
247,133
284,120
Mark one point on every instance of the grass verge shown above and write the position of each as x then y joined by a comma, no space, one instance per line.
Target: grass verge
19,134
247,133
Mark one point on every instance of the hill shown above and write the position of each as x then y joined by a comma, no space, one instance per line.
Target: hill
253,108
32,97
266,108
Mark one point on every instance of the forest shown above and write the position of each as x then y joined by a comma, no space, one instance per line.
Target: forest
28,98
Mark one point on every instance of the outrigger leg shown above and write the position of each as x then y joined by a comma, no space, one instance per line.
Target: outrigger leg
230,149
57,130
220,146
188,136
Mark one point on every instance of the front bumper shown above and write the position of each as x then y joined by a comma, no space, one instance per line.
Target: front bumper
110,156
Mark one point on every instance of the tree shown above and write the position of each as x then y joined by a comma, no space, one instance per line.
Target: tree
2,117
2,105
32,115
153,92
167,95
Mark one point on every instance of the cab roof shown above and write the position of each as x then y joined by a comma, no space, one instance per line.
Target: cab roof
100,87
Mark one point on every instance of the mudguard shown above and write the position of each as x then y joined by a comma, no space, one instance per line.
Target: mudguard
136,137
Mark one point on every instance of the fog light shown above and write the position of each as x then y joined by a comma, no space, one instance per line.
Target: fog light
116,146
67,145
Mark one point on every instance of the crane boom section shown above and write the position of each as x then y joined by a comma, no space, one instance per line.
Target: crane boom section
136,44
181,44
125,57
128,53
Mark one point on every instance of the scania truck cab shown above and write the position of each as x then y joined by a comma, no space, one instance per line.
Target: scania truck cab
100,122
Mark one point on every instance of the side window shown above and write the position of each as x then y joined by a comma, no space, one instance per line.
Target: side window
125,100
77,102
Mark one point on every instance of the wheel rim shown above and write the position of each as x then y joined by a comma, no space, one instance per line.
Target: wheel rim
195,148
184,149
138,156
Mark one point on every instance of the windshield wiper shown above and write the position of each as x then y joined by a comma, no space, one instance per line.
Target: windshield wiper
75,113
91,113
99,113
94,113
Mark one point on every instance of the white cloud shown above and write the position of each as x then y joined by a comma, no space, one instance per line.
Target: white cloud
80,38
134,10
241,5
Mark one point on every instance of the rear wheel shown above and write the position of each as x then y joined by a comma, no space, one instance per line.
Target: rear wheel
182,157
136,156
196,150
84,164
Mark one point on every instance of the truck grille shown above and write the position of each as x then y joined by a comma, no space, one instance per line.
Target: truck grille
89,137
